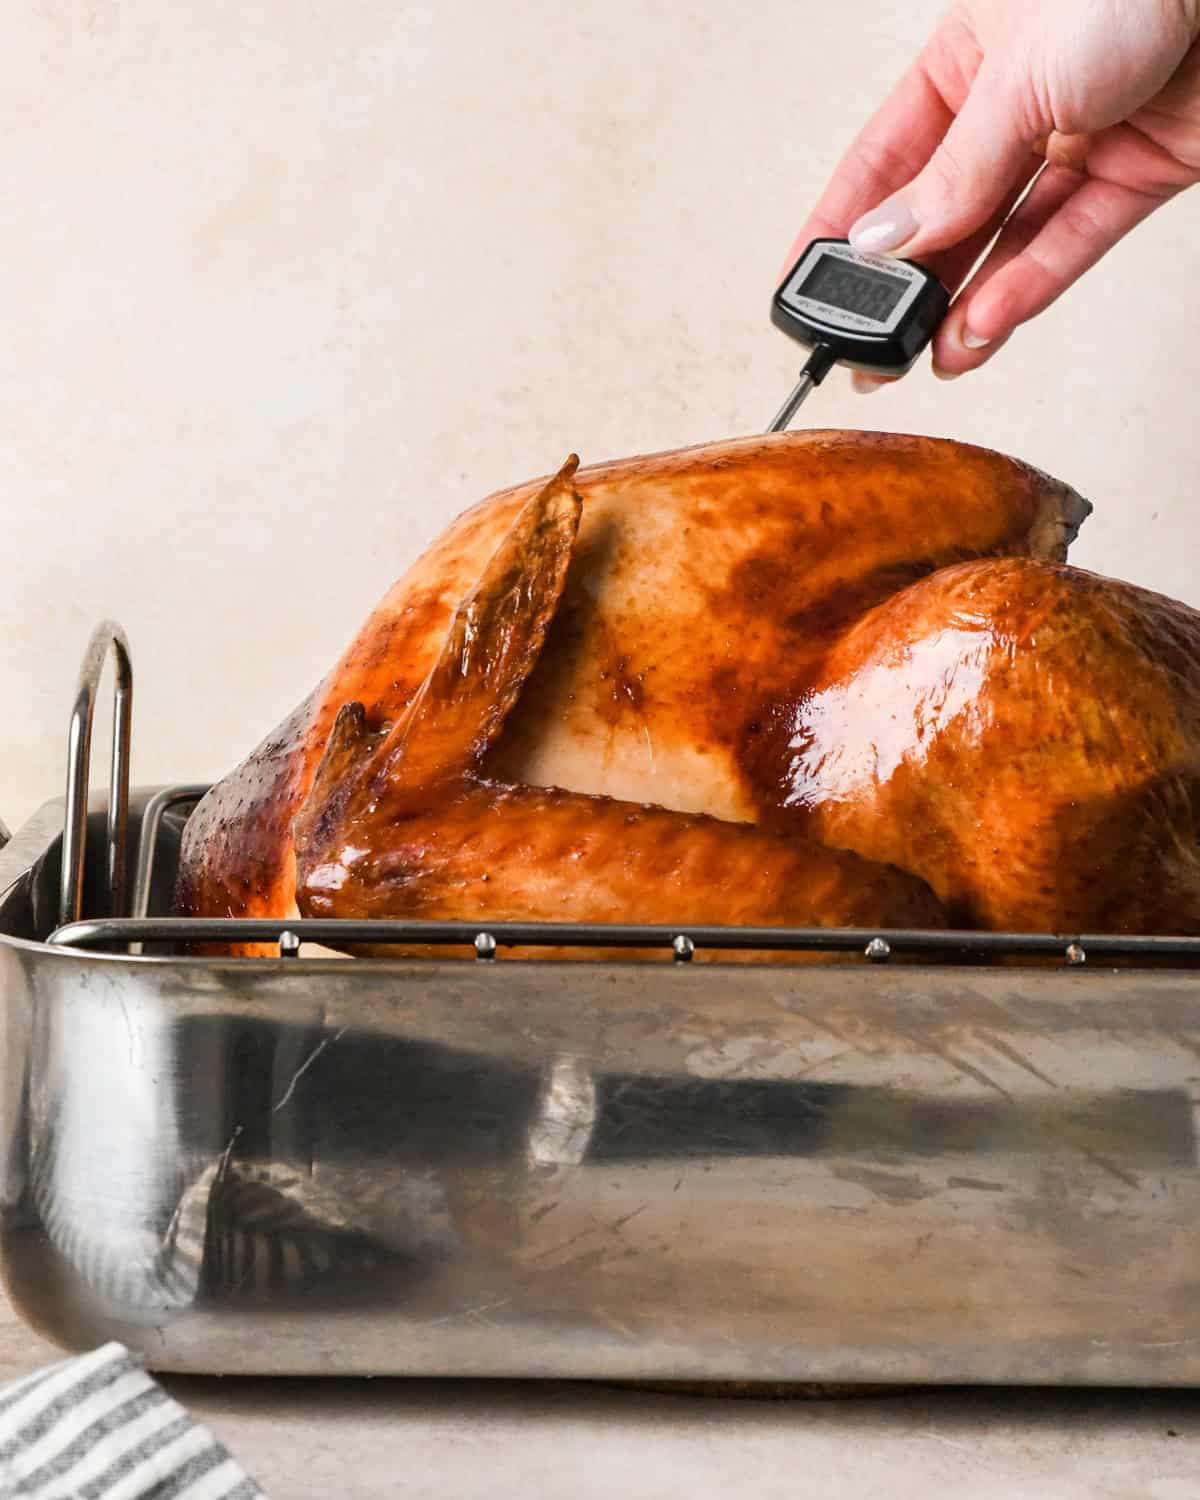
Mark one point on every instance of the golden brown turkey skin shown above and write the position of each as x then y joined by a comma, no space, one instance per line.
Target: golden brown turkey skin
407,823
1024,736
500,854
703,588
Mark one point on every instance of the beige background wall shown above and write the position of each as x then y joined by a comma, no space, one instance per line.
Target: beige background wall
287,285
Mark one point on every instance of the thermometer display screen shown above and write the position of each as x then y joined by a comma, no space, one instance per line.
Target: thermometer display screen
856,289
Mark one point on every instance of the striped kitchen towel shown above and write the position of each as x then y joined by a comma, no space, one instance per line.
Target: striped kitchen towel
98,1428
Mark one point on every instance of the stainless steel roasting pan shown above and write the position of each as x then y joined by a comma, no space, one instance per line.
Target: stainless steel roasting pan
947,1169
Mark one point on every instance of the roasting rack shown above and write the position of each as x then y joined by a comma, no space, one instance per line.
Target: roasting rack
949,1168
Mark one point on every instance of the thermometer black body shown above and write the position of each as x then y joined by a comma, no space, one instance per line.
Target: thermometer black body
869,312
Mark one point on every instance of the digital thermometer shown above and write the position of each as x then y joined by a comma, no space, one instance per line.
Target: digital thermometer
865,311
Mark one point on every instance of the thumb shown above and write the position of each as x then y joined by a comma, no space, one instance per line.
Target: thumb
966,180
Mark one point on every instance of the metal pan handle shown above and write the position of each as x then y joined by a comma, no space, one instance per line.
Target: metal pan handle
108,636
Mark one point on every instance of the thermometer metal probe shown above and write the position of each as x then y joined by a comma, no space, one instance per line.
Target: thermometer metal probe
867,312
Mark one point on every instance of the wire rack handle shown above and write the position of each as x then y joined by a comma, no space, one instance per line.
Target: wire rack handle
107,637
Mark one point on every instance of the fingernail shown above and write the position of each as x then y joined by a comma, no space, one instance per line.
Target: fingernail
946,374
865,384
885,228
973,340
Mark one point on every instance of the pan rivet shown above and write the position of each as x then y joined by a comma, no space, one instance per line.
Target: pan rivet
1075,954
683,948
289,945
878,951
485,946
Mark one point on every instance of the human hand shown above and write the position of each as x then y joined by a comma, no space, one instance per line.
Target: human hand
1096,102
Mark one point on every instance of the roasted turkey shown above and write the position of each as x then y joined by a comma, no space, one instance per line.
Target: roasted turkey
819,678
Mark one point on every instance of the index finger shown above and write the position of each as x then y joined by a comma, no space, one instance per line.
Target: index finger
888,152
